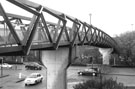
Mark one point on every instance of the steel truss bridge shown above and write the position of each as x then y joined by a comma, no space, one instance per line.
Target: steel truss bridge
20,34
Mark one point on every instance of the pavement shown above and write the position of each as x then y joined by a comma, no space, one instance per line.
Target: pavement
4,76
9,80
11,75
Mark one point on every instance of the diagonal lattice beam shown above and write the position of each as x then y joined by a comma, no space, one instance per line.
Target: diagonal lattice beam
11,28
47,30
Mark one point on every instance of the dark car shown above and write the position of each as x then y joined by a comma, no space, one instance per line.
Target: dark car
33,66
89,72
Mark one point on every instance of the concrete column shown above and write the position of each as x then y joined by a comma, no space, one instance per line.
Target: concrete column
56,62
106,54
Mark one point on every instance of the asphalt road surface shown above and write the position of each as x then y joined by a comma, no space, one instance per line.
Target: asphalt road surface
9,82
124,75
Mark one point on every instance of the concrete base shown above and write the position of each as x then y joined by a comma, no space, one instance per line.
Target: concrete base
106,53
56,62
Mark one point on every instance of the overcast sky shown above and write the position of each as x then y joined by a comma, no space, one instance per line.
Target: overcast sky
112,16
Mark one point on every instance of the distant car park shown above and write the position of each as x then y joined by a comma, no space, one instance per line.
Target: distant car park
89,72
6,65
33,66
34,78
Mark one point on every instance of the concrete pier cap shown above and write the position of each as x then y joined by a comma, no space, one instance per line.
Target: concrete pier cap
56,62
106,54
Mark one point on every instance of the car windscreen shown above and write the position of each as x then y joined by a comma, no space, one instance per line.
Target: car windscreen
32,76
90,70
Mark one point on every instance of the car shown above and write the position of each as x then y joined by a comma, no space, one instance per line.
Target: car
6,65
33,66
89,72
33,78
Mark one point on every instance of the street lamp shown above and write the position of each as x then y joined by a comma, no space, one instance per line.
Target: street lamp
90,17
132,26
1,67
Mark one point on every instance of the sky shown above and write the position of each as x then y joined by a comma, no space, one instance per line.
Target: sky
112,16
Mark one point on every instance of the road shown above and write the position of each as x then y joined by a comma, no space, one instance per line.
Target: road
9,82
121,75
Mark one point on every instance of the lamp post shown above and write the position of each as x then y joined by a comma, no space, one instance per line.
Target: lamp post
90,17
1,67
132,26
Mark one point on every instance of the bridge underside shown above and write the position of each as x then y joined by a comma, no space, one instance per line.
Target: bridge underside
20,50
46,29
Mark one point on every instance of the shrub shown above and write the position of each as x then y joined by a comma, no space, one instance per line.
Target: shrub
94,84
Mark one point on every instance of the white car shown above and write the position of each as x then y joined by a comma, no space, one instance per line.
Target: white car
6,65
34,78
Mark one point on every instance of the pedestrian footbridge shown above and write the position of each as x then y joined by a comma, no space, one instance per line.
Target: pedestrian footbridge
54,33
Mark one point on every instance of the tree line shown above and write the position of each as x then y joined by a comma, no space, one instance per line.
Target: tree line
126,41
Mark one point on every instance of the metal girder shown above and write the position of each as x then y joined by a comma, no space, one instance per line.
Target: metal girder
67,35
29,30
29,41
8,50
33,28
47,30
23,28
96,35
21,5
82,39
91,40
36,6
18,16
76,27
11,28
86,32
60,34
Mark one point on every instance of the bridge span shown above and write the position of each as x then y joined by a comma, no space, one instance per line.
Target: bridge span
19,34
55,38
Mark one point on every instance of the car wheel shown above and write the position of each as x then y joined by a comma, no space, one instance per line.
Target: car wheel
41,80
36,82
80,73
93,74
27,68
26,84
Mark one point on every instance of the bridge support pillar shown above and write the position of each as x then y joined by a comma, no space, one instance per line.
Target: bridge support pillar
106,53
56,62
